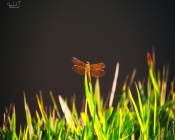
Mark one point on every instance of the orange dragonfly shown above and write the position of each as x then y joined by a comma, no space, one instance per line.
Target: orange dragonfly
94,70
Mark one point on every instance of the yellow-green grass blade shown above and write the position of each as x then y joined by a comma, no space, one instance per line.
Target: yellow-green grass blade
54,104
92,108
29,118
140,104
138,116
41,107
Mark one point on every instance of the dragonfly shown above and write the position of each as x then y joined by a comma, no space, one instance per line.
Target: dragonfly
82,68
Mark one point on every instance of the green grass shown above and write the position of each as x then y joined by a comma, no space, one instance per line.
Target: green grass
150,117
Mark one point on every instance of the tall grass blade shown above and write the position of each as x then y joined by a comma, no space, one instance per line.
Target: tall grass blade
114,85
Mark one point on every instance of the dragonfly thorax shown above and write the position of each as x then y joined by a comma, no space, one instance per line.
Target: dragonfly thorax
87,65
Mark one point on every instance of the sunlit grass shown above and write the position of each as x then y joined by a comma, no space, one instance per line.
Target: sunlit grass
151,116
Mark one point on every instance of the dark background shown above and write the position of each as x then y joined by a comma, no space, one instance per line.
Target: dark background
39,39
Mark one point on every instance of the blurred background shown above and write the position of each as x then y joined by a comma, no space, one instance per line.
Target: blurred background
39,39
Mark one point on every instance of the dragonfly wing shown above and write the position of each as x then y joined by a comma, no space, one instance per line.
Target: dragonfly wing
79,69
97,66
97,73
78,62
